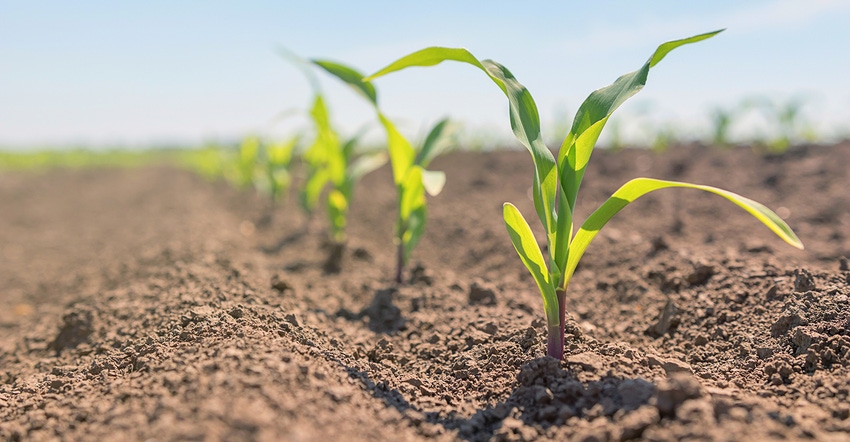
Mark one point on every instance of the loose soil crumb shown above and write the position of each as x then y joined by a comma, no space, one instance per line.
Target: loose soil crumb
150,304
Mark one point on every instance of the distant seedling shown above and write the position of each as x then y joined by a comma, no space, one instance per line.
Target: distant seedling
278,168
247,162
329,160
556,182
410,175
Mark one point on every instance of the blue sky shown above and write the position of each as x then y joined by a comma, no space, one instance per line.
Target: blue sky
107,73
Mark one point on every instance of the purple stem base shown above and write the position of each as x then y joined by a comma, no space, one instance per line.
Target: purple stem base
555,340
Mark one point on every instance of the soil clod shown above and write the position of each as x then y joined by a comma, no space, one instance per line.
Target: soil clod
672,393
803,280
481,293
77,327
667,320
280,284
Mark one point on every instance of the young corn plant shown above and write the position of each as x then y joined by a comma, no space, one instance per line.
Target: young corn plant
790,123
557,180
314,157
721,125
278,164
335,162
409,166
330,160
246,162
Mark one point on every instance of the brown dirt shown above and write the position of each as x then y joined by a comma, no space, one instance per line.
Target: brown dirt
140,305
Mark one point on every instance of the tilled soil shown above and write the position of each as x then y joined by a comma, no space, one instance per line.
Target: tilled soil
149,304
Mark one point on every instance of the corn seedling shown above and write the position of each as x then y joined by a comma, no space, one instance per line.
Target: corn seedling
410,175
332,161
278,168
247,162
721,124
790,124
557,180
665,135
329,160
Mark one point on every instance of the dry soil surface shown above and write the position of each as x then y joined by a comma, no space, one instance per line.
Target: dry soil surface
149,304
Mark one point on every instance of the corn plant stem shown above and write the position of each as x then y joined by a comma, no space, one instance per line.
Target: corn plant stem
399,263
555,340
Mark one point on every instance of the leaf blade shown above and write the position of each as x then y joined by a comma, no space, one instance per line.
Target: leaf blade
529,253
349,76
427,152
524,118
595,111
638,187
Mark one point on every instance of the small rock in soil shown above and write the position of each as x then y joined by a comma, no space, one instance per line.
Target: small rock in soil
666,321
802,339
670,366
587,361
419,274
362,254
279,284
674,391
803,280
77,326
785,323
701,274
635,393
633,424
235,313
482,294
842,264
540,371
658,245
773,293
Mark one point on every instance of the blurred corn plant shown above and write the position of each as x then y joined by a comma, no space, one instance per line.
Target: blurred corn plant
332,162
721,125
246,163
278,168
409,165
787,124
665,135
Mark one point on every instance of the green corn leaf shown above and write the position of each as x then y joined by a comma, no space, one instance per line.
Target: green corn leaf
413,192
351,77
313,189
351,144
429,147
337,210
530,254
415,228
280,181
594,113
248,153
280,154
401,152
412,211
525,120
563,233
638,187
319,114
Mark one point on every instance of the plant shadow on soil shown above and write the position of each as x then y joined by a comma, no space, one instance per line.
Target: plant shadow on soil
547,396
